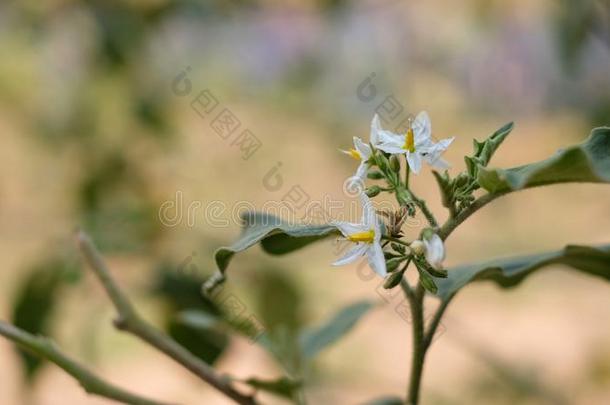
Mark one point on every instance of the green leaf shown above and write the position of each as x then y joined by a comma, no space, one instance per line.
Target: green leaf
201,320
275,235
36,301
427,281
182,292
510,272
279,300
484,151
282,386
588,162
316,340
446,186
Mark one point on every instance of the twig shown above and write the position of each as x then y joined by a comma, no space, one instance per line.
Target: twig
452,223
92,384
129,321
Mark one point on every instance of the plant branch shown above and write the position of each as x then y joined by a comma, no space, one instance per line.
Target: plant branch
130,321
419,350
452,223
92,384
393,239
421,204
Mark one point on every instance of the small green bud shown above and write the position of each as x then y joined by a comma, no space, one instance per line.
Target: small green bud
418,247
427,282
382,161
398,247
403,196
375,175
393,264
428,233
394,163
461,180
372,191
392,280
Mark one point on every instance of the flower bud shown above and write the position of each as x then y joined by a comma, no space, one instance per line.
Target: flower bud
372,191
375,175
461,180
398,247
428,234
418,247
392,280
393,263
395,163
382,161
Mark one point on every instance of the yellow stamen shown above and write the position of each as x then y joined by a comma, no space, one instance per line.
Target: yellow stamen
354,154
367,236
409,141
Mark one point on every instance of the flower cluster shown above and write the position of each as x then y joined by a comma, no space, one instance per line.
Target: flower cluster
380,159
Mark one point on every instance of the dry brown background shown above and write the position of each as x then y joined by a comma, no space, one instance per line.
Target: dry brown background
289,71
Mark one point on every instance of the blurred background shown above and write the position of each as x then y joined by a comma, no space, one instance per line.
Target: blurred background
131,119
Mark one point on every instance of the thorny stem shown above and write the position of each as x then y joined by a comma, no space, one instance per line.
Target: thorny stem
91,383
130,321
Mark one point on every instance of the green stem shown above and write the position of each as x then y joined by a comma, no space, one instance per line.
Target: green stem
393,239
419,350
92,384
130,321
421,204
452,223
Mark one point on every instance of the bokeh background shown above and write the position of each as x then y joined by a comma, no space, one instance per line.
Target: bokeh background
99,132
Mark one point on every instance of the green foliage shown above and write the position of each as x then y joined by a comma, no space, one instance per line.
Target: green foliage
484,151
275,235
510,272
282,386
315,340
279,300
36,301
588,162
182,292
457,193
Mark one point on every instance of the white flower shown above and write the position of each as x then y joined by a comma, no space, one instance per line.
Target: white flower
417,144
435,251
366,237
362,151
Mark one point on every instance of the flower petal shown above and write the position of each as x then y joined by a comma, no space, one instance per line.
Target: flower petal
433,154
375,130
438,163
376,259
348,228
435,251
361,173
391,143
422,128
362,148
352,255
414,160
369,215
